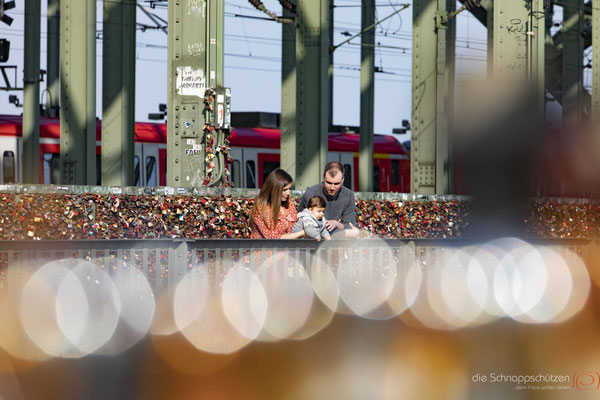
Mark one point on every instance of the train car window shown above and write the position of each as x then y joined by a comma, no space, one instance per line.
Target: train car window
8,165
268,167
235,174
348,176
376,186
150,171
250,177
136,170
395,172
51,168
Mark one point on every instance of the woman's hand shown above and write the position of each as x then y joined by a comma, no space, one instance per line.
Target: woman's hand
293,235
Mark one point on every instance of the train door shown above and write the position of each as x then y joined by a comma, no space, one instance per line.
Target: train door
399,175
249,168
346,159
10,171
396,178
145,164
151,164
235,168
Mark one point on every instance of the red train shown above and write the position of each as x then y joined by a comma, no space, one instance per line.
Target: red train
255,153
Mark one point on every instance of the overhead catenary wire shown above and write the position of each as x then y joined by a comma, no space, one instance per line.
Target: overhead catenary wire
333,48
160,22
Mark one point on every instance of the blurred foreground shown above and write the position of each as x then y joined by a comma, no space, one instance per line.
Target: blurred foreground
358,319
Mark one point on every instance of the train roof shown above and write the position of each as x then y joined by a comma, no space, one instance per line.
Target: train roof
11,125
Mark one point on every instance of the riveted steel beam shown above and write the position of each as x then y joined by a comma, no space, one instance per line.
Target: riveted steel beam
519,44
367,97
196,63
31,95
53,59
312,90
78,92
572,62
118,97
288,96
432,92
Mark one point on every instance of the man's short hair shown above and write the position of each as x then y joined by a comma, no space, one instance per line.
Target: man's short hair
333,166
317,201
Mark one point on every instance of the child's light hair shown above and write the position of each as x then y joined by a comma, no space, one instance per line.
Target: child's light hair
317,201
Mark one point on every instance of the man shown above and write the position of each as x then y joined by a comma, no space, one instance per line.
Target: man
341,203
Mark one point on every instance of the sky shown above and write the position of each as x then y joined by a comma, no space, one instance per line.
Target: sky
253,56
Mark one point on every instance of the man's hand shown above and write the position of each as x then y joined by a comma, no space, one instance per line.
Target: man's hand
331,225
472,3
352,232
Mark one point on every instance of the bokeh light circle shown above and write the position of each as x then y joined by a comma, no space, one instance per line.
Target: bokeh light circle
13,337
190,296
323,280
581,286
558,289
520,280
38,309
408,280
366,275
199,312
137,310
287,287
244,301
324,303
482,269
456,274
87,307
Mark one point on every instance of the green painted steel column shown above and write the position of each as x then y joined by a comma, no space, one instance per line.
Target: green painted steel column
118,93
446,50
573,100
78,92
53,58
596,62
195,142
215,30
510,38
519,44
31,95
367,97
489,7
186,86
91,126
288,96
433,80
424,97
216,79
312,90
537,55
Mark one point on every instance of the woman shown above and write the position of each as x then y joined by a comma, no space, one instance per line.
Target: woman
273,214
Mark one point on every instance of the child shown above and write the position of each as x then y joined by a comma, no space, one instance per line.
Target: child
312,221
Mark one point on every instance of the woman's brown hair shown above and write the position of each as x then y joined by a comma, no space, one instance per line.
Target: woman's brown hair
270,196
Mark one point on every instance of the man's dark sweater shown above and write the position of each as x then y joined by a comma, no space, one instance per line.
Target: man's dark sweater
341,207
